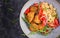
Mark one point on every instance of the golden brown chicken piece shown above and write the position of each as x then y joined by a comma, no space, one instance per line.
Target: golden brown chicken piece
36,19
33,8
30,16
34,27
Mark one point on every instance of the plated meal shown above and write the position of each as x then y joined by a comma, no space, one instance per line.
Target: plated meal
41,17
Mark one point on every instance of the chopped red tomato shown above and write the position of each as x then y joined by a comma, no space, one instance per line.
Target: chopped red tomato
52,25
40,12
44,22
27,11
42,16
43,19
56,22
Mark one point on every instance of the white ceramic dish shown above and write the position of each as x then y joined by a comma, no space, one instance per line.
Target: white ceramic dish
25,29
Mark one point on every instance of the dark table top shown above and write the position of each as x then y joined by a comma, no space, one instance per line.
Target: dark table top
9,18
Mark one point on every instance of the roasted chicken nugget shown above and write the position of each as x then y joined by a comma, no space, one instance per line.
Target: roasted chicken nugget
33,8
34,27
36,19
30,16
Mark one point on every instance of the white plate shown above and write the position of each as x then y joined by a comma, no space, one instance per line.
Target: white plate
25,29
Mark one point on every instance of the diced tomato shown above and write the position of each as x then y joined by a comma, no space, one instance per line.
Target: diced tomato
56,22
40,12
43,19
52,25
36,4
27,11
44,22
42,16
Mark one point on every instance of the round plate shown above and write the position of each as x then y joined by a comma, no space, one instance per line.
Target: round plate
24,27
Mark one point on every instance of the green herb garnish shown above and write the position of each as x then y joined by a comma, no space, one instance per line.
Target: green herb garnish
23,34
31,33
25,20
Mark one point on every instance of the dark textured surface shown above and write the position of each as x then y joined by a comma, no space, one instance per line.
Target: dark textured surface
9,18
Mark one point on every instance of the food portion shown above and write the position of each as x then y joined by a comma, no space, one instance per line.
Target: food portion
41,17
